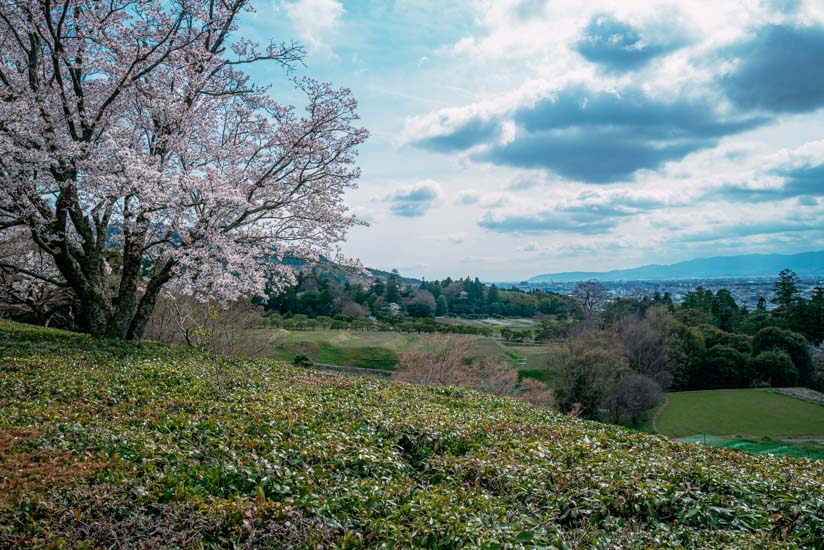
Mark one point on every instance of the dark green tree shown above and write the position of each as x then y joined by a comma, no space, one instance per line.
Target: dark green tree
393,291
776,367
725,367
700,299
492,295
812,317
441,306
786,290
587,369
794,344
378,287
725,311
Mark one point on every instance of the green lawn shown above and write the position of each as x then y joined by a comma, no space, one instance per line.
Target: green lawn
511,323
748,413
761,446
379,350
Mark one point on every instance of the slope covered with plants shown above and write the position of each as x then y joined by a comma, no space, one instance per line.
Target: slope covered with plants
110,443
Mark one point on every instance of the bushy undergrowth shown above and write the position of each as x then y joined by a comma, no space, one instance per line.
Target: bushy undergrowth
108,444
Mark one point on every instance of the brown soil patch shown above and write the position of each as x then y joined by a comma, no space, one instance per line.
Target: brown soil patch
24,471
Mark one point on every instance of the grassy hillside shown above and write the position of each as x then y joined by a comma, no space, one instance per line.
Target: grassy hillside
752,413
108,444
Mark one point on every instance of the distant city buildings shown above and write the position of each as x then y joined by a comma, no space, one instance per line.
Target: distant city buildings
745,291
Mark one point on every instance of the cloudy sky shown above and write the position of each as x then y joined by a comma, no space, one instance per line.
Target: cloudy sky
511,138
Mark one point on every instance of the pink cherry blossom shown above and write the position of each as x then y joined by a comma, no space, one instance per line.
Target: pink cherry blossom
129,125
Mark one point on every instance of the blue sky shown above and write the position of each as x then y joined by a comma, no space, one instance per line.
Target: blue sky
516,137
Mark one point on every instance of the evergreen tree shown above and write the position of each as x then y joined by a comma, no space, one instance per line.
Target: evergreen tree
814,316
786,290
724,310
492,295
441,306
378,287
393,293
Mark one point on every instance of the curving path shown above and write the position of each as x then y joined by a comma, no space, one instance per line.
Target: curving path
658,413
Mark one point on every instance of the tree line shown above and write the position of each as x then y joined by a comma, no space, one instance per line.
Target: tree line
318,295
615,364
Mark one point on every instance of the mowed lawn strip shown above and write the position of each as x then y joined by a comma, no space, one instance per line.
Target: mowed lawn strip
374,349
752,413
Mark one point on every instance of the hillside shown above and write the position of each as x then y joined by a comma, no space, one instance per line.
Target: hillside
112,444
324,268
719,267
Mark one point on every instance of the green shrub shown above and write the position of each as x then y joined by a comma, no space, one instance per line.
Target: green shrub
302,360
794,344
776,367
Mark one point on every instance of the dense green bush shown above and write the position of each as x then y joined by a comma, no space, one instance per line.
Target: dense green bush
717,337
775,367
302,360
794,344
725,367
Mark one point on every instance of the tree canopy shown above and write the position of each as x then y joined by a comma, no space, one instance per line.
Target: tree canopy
137,155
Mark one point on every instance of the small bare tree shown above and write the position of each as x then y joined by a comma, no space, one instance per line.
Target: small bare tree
536,393
449,361
590,296
223,330
629,396
587,364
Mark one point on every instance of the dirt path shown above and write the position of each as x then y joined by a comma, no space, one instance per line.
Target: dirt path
658,413
802,393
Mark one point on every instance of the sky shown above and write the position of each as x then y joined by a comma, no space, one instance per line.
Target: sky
511,138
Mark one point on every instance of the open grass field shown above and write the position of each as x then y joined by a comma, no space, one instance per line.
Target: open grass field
747,413
511,323
113,444
379,350
371,350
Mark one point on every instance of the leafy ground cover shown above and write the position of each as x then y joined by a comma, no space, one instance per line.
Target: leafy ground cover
748,413
111,444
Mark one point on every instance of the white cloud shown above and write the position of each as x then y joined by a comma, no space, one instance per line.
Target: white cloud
470,197
315,20
453,238
412,201
493,61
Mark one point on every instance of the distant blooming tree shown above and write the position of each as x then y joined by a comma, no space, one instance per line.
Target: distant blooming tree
137,156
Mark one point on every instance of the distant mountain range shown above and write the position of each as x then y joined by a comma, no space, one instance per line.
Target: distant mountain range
719,267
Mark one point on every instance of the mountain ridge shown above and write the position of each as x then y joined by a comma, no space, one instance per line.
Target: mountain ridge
715,267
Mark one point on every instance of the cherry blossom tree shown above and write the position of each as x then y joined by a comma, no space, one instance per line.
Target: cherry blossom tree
138,157
43,300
